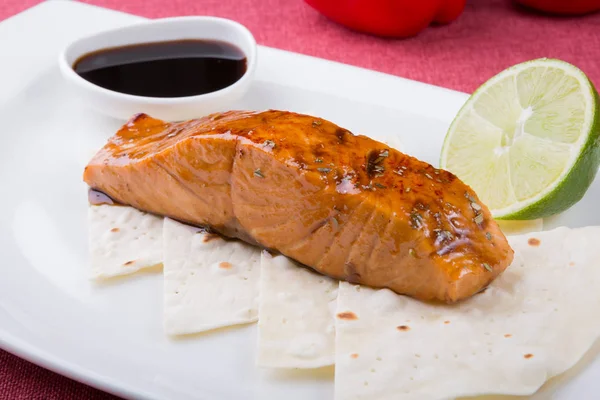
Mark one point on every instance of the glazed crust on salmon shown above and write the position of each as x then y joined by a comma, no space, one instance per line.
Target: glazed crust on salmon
345,205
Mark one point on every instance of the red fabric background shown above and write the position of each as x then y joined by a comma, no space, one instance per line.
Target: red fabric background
21,380
490,36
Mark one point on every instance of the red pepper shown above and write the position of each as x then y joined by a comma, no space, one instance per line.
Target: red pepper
390,18
564,7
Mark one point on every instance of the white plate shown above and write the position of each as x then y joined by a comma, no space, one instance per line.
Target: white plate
111,336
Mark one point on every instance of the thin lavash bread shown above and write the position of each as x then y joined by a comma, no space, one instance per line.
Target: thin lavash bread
532,323
210,282
296,315
123,240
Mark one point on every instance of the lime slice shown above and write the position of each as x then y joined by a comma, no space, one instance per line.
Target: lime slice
527,141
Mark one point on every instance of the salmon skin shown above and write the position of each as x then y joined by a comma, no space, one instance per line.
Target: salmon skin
345,205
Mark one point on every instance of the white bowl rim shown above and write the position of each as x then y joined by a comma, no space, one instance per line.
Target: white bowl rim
70,73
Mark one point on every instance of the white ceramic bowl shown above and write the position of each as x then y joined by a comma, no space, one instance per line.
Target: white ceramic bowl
123,106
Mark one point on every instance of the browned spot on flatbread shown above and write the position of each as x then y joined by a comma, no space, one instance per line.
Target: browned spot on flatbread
529,355
354,355
128,263
403,328
446,322
349,315
115,230
225,265
507,335
534,242
571,264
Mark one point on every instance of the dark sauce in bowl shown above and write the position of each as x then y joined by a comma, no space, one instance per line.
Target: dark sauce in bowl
164,69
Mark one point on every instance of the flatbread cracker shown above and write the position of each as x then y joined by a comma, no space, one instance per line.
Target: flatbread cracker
534,322
296,325
210,282
123,240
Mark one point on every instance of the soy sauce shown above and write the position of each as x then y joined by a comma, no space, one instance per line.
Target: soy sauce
164,69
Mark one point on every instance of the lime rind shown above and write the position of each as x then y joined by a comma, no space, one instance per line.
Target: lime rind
573,185
566,149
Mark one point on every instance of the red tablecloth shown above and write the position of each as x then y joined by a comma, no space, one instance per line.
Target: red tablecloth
490,36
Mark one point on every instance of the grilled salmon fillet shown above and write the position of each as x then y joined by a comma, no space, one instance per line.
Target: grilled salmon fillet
345,205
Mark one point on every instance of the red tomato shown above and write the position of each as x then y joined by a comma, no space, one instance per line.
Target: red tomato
391,18
567,7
